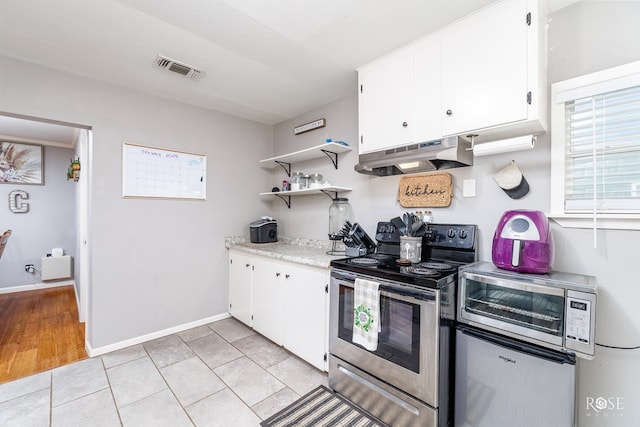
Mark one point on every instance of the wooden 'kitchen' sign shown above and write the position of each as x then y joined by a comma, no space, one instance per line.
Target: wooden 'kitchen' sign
433,190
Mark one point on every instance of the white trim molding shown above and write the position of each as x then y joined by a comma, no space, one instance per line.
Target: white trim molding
92,352
624,76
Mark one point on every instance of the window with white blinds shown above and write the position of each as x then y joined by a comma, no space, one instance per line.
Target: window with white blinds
602,158
595,148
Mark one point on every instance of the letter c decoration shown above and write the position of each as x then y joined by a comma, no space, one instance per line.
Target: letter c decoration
16,205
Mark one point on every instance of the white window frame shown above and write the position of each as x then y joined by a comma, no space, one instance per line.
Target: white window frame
608,80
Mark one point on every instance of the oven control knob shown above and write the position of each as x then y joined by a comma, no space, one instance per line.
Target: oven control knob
462,234
451,233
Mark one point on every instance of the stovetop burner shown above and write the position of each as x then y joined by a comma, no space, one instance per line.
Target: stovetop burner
440,266
380,256
420,271
371,259
363,261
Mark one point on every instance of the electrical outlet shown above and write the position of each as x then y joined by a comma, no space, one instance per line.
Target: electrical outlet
29,268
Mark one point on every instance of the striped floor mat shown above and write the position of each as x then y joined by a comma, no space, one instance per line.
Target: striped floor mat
319,408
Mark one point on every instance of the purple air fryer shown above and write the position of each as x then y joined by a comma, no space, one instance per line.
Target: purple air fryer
522,242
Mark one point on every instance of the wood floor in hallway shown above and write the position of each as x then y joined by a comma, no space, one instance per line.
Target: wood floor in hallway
39,330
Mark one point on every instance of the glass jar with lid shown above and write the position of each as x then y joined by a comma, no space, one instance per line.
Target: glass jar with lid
315,180
304,182
296,181
340,212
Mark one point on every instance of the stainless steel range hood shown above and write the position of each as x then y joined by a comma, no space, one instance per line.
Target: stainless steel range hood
445,153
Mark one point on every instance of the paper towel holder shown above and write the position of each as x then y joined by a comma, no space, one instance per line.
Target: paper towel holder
505,146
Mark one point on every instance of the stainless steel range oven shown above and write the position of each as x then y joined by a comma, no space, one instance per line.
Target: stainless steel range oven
405,380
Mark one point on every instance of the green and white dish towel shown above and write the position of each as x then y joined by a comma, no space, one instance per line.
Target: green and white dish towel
366,315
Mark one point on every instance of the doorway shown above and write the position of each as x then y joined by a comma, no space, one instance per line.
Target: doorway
78,140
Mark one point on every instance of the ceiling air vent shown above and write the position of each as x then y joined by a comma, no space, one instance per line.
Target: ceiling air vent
178,67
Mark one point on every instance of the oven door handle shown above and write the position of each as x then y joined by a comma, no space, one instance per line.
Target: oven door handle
421,295
338,279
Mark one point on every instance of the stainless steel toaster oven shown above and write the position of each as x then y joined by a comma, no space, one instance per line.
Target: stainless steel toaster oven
553,310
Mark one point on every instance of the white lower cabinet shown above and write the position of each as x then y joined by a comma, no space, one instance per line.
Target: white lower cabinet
240,268
266,298
284,301
305,313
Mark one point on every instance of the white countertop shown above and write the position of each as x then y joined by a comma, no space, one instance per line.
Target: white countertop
301,251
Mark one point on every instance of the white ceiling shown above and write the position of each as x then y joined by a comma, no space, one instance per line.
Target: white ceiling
22,129
265,60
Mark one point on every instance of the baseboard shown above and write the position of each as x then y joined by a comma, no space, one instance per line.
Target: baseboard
36,286
148,337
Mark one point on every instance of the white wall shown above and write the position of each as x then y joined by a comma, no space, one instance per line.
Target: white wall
49,223
156,264
583,38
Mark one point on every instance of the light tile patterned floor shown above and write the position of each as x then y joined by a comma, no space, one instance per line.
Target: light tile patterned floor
221,374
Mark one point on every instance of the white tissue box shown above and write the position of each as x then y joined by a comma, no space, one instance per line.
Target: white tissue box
57,252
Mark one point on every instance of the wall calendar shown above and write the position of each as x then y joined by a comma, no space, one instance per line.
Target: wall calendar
152,172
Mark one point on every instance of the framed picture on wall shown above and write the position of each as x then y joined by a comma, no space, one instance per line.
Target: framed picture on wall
21,163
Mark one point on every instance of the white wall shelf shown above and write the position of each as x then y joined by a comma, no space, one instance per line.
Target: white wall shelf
329,149
332,192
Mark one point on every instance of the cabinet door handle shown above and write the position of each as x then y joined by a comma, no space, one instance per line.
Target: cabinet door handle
405,124
449,113
286,276
247,265
277,274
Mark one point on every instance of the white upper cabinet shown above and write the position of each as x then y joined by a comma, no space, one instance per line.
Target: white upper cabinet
483,75
399,97
427,89
494,72
385,102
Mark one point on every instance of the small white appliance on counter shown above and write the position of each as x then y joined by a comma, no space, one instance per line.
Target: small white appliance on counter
516,345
